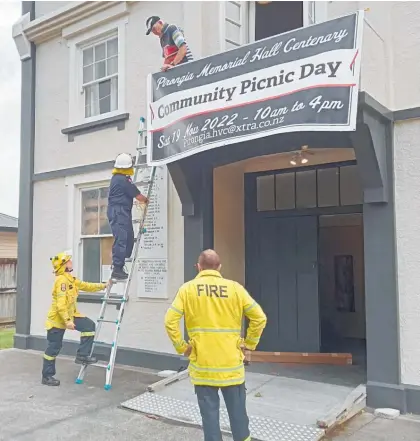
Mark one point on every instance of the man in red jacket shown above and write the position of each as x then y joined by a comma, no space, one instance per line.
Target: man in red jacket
174,47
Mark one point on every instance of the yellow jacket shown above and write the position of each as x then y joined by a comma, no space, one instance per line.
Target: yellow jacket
213,308
64,299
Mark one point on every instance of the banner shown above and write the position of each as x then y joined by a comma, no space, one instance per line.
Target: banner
303,80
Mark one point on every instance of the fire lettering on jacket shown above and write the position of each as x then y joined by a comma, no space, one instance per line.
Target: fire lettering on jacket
212,290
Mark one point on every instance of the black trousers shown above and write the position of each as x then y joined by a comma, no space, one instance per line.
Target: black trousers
235,400
121,223
85,326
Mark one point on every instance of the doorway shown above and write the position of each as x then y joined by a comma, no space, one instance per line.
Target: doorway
304,257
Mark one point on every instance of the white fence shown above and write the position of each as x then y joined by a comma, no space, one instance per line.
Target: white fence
8,272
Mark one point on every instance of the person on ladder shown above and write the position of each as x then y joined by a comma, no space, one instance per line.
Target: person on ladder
63,315
122,192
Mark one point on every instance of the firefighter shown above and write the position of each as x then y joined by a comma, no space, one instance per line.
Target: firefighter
64,314
174,47
122,191
213,310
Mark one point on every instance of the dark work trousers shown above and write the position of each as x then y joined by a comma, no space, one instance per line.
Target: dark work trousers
235,400
121,223
85,326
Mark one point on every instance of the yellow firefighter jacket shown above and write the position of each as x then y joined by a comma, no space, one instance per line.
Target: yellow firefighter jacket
64,299
213,309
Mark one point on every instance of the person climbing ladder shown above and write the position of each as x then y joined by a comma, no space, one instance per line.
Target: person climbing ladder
122,192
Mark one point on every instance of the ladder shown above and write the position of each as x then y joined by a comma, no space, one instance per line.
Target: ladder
120,301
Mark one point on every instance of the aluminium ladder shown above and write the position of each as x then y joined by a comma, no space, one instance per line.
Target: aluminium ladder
120,301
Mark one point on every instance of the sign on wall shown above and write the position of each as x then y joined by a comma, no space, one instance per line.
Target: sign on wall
152,263
303,80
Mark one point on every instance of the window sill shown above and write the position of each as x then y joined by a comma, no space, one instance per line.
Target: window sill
93,126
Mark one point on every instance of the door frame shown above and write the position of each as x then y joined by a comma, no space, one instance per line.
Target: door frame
251,215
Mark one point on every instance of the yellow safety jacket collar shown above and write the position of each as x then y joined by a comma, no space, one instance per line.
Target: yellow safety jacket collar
208,273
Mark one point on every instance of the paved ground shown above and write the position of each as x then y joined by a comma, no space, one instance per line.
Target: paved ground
32,412
368,428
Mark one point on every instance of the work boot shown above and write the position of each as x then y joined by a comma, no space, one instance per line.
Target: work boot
119,274
50,381
85,359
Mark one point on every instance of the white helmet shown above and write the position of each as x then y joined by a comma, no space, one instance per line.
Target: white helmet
124,160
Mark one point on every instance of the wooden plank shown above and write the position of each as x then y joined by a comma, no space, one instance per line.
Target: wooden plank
354,403
168,380
299,357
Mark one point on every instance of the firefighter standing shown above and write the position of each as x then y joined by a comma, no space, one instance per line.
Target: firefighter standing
213,309
122,191
63,315
172,41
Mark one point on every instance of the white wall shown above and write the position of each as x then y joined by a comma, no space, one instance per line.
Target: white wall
143,319
44,8
407,210
405,53
376,62
143,56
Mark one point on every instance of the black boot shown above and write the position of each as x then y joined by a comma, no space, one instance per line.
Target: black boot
119,274
50,381
85,359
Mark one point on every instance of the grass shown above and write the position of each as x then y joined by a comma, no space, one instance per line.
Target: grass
6,338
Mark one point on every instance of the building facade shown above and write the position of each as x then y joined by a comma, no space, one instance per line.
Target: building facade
347,213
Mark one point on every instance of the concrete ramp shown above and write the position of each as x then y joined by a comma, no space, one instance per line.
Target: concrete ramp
279,408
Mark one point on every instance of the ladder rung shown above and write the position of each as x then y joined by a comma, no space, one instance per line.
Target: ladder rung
128,260
142,182
108,321
113,300
100,365
103,343
119,280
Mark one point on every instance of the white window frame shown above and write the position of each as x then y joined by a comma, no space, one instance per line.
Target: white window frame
314,12
76,46
75,185
81,236
243,24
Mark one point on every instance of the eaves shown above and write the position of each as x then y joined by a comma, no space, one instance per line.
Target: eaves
52,25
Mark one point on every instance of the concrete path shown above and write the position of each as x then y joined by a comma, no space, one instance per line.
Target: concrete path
32,412
368,428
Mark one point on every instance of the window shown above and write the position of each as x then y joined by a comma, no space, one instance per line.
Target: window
96,238
97,74
303,189
235,31
100,77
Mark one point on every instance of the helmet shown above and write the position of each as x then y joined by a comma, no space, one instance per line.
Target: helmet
124,160
60,260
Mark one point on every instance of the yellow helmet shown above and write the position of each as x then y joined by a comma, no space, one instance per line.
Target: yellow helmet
59,261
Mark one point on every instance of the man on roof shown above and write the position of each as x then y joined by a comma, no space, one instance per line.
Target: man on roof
175,50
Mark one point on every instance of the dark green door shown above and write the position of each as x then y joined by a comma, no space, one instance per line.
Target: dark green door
282,276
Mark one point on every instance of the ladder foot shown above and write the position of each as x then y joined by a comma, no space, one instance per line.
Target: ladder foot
79,381
107,387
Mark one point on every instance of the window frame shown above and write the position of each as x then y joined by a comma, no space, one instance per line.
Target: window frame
76,46
81,237
84,85
243,24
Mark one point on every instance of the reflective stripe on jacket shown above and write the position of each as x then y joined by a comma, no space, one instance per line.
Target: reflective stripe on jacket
213,308
64,299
